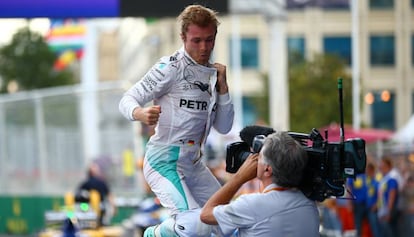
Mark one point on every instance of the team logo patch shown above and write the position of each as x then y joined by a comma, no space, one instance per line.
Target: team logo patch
162,65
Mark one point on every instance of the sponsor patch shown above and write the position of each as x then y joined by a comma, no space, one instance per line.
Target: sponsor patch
193,104
162,65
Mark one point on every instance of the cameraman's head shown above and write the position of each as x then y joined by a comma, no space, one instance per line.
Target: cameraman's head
282,159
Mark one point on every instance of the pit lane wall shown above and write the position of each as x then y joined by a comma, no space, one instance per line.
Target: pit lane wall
24,215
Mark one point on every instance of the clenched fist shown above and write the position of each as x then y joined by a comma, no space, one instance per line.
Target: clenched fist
148,115
221,85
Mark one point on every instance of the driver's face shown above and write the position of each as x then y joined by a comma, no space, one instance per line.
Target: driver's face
199,42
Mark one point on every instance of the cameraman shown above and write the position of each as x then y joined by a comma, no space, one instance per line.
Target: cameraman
281,209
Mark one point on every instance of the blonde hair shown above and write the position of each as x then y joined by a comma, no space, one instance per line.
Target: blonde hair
198,15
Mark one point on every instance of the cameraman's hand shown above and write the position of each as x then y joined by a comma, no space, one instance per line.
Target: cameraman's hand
248,170
245,173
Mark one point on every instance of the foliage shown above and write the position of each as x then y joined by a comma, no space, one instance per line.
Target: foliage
313,93
28,61
261,102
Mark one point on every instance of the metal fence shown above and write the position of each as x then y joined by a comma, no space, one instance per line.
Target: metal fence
42,141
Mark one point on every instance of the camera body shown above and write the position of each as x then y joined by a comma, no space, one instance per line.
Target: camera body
329,163
237,152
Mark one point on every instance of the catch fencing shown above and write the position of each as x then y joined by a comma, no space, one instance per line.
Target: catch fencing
42,140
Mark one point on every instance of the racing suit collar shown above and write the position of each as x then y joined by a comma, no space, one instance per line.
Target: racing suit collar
192,60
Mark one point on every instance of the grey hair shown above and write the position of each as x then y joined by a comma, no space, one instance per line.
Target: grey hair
287,158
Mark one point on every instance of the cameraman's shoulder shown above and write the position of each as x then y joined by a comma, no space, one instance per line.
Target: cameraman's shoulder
251,199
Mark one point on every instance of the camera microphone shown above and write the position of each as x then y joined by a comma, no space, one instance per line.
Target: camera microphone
248,133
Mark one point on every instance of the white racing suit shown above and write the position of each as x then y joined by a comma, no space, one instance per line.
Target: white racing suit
190,106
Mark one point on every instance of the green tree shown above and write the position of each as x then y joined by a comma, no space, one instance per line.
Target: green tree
260,102
28,61
313,93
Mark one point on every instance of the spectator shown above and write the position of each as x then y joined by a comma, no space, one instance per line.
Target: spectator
358,188
388,200
372,198
408,213
96,181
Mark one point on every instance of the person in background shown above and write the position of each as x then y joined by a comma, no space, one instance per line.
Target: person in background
372,198
281,209
331,224
189,96
387,200
358,206
96,181
408,212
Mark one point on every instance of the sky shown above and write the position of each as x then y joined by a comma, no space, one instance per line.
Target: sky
10,26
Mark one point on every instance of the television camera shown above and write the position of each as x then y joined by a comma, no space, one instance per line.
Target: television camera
329,163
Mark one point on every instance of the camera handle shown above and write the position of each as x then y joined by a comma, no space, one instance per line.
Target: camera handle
341,111
341,118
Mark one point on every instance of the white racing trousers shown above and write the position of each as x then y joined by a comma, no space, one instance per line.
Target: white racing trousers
183,184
